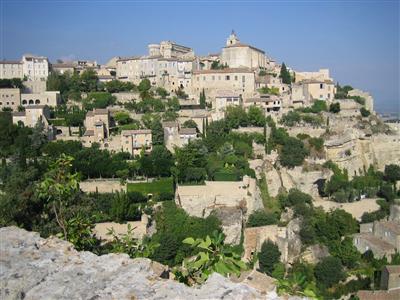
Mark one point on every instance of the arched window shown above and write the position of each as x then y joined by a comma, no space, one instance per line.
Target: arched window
24,102
37,101
31,101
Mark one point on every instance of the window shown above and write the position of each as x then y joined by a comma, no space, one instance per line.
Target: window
236,78
321,86
227,77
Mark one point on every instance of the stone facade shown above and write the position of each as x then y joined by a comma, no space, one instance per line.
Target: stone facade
134,141
239,55
102,186
35,67
390,278
11,69
240,81
224,99
381,237
10,98
268,103
50,98
97,124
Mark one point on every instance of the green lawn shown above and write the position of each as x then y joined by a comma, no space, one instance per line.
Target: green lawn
164,185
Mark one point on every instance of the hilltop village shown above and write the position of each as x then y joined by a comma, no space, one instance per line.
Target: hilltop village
231,163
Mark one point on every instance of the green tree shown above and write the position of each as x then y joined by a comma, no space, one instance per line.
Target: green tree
57,186
285,75
144,88
122,118
162,92
364,112
213,256
190,124
329,271
334,108
88,81
261,218
392,174
293,152
203,100
256,116
268,257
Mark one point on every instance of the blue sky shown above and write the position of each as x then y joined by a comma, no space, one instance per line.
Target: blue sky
357,40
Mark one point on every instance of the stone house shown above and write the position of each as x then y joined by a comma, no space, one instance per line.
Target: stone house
238,55
381,237
268,103
49,98
34,114
97,124
10,98
175,136
35,67
134,141
240,81
11,69
390,278
223,99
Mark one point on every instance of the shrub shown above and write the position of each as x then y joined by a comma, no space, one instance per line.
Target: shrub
261,218
334,108
268,257
329,271
364,112
293,153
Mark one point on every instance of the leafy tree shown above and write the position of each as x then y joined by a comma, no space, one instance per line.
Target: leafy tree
364,112
162,92
144,88
285,75
88,81
334,108
256,116
268,257
236,117
293,152
57,186
392,174
157,132
214,256
345,251
80,234
98,100
11,83
261,218
173,104
122,118
329,271
190,124
170,115
291,118
203,100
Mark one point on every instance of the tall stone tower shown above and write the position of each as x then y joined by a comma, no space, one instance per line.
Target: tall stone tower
232,39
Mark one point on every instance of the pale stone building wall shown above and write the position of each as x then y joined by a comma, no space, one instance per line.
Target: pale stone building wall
34,87
321,75
102,186
223,99
133,141
268,103
10,98
50,98
240,81
369,100
238,55
35,67
11,69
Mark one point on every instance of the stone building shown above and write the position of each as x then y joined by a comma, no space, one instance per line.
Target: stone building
381,237
134,141
10,98
224,99
175,136
268,103
167,64
11,69
97,124
286,238
308,91
35,67
238,55
321,75
49,98
390,278
369,101
63,68
34,114
240,81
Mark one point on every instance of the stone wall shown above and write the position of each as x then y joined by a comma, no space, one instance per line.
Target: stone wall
102,186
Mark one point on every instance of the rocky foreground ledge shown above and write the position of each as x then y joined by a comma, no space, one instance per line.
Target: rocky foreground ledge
35,268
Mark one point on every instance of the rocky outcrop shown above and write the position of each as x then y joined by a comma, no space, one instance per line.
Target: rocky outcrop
231,223
35,268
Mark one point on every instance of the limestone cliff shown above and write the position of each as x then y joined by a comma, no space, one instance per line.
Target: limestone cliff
35,268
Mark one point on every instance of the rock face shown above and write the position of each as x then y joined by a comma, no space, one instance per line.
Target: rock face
231,222
35,268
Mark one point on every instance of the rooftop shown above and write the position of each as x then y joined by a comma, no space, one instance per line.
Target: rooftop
187,131
137,131
377,242
393,269
244,45
89,133
226,93
392,226
227,70
4,62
